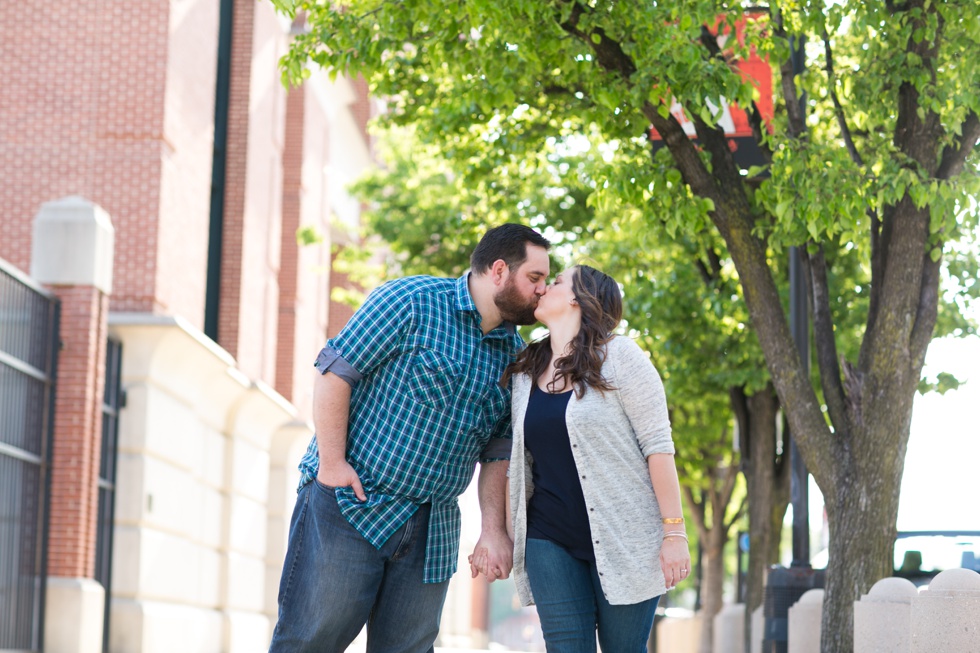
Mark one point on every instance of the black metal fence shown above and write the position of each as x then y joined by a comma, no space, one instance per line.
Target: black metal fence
114,400
28,361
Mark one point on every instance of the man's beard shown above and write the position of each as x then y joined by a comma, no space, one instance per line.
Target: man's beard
514,307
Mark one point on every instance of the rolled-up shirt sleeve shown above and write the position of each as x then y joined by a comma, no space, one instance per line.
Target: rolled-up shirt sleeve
372,335
329,359
496,449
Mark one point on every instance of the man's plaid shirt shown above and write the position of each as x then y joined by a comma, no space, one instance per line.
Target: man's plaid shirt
425,409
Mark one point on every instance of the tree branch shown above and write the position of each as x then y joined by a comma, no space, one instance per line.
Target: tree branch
697,509
838,108
823,335
739,404
954,156
728,486
925,315
609,54
736,515
703,271
794,112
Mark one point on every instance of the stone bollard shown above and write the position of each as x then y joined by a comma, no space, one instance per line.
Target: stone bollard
729,629
680,635
758,630
882,618
804,623
946,617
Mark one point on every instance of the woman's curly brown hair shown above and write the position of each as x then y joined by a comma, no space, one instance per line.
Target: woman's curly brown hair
601,303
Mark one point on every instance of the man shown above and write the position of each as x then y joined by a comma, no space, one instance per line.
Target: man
407,402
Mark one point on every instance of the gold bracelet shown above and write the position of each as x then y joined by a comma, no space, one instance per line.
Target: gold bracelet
673,520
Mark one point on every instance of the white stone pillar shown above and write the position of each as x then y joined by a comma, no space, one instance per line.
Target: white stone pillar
946,617
681,635
804,623
729,629
72,244
882,618
74,610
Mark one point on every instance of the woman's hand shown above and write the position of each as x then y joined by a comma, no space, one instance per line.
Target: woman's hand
675,560
479,561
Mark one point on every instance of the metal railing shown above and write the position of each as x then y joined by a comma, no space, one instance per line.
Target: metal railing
28,362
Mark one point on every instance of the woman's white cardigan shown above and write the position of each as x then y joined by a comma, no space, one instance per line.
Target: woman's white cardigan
611,435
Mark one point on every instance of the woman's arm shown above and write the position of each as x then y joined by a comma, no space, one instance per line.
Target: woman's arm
675,558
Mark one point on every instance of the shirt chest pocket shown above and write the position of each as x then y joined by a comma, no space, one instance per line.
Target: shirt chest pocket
436,379
496,406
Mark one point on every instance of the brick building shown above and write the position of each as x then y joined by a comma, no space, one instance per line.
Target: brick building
153,175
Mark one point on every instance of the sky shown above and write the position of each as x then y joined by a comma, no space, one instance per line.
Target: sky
942,466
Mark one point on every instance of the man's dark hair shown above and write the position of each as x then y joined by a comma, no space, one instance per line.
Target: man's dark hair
507,242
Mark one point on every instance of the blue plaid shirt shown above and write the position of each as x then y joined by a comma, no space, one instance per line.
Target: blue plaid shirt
426,408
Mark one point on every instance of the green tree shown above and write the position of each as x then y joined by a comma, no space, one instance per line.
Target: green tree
882,167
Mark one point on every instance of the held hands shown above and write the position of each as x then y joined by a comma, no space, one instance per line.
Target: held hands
493,556
340,474
675,560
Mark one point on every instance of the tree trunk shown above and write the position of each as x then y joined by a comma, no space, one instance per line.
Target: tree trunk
862,506
713,576
767,480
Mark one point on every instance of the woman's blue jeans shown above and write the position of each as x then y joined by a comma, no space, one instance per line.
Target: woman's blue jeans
334,581
572,607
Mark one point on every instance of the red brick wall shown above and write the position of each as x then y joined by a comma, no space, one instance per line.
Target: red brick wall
77,431
86,90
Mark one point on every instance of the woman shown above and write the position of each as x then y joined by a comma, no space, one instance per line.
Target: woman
596,510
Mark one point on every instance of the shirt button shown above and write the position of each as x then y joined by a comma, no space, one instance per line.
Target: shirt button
597,541
583,476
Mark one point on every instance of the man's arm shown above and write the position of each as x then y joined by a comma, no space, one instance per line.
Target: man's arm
495,549
331,409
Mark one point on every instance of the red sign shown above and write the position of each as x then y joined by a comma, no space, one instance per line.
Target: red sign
734,120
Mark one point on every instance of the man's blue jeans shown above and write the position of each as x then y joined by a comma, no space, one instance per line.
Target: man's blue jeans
334,581
571,605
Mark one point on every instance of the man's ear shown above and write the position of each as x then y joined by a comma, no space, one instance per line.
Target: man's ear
498,271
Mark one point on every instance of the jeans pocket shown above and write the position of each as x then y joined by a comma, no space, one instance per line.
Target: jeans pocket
326,488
